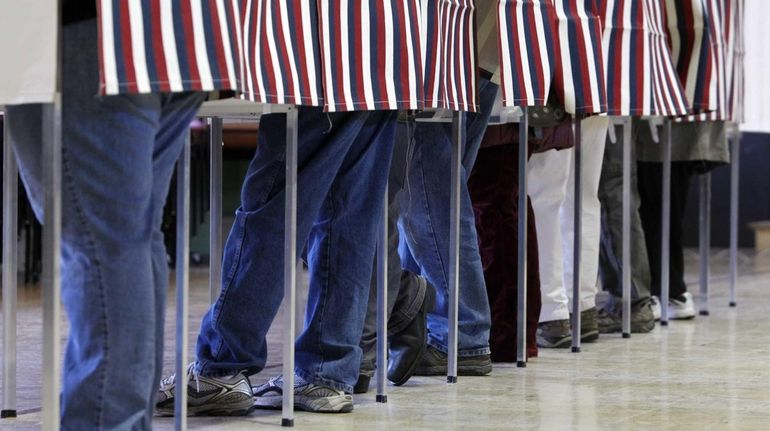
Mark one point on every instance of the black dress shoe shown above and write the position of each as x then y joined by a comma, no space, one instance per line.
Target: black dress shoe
407,347
362,385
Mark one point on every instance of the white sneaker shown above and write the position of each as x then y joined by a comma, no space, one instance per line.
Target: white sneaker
681,308
655,305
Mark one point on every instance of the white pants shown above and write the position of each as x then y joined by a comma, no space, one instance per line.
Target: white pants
551,188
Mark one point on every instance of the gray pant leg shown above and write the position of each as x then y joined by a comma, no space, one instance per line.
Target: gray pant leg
611,197
406,290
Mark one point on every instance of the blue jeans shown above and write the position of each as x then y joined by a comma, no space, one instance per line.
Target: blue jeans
117,160
424,228
343,162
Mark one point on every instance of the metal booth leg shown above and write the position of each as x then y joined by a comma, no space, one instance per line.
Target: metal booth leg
735,169
215,205
458,141
576,241
382,305
182,283
52,180
626,245
290,265
521,309
665,230
9,272
705,241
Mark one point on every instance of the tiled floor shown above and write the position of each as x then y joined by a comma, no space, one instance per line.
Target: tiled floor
709,373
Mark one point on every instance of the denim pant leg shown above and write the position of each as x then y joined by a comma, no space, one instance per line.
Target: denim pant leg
610,257
341,249
405,291
109,284
424,227
232,335
172,133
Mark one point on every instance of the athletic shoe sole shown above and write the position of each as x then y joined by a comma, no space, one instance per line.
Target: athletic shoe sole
241,407
335,404
561,343
589,336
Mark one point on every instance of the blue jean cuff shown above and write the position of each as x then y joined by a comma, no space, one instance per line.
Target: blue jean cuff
204,368
320,381
464,353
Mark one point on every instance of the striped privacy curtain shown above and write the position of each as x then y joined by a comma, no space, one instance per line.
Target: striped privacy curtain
547,44
690,38
449,54
343,55
736,52
641,77
725,37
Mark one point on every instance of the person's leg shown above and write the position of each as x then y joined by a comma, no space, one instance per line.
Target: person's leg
548,178
547,187
232,335
341,248
490,184
650,211
108,284
611,200
405,289
426,223
494,188
650,186
681,177
174,125
425,227
610,258
593,139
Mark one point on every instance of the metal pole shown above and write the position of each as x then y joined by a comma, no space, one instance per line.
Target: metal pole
626,245
735,170
665,227
705,241
52,184
182,282
215,208
382,305
10,272
521,309
458,141
576,241
290,265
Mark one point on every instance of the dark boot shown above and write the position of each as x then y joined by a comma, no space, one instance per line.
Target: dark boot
407,347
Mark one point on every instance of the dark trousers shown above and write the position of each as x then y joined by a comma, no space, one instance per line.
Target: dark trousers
494,189
650,178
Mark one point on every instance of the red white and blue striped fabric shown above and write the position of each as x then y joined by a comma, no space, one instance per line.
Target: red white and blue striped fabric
690,38
731,15
736,52
343,55
552,42
449,54
169,46
641,77
371,54
281,55
717,13
720,24
580,79
528,52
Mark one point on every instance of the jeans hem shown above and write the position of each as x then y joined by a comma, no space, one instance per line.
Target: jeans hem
479,351
320,381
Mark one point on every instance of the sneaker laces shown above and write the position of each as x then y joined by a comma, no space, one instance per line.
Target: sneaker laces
192,374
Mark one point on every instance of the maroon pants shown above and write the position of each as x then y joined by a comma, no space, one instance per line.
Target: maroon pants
494,190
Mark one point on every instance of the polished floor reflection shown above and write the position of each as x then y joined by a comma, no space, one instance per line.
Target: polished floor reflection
711,373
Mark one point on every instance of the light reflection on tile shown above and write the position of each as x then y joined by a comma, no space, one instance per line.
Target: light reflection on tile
707,374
